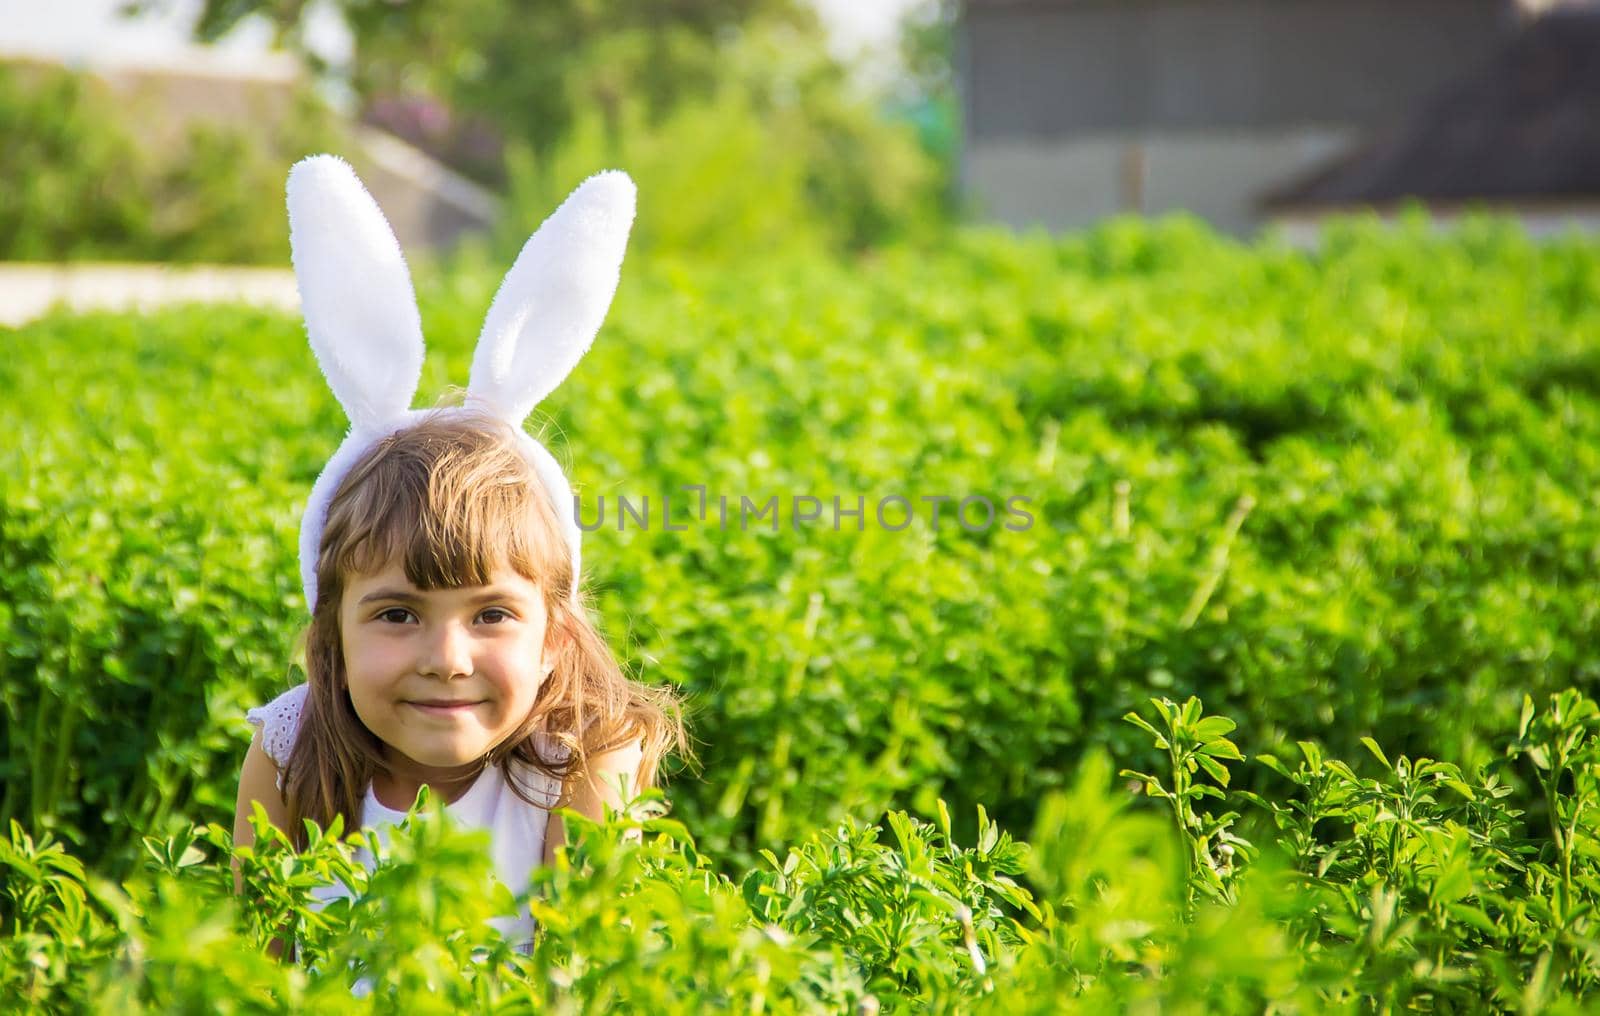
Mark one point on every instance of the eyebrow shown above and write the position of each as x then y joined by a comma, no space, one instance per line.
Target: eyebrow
405,596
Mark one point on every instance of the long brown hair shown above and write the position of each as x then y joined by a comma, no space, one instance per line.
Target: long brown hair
451,498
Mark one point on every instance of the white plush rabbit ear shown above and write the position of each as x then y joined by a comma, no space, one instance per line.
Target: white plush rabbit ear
360,309
554,298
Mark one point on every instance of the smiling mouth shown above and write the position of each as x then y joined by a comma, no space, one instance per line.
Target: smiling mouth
444,707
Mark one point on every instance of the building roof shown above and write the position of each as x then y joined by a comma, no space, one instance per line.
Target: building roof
1525,125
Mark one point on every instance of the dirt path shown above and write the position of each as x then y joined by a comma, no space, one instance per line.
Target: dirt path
29,290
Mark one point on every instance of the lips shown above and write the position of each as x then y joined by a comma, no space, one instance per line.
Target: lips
444,706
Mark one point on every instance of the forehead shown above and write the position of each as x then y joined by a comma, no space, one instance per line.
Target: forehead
392,577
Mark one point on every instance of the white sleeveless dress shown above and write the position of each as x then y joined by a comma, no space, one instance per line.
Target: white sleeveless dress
516,828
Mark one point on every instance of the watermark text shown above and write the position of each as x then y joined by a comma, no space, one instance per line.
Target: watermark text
974,513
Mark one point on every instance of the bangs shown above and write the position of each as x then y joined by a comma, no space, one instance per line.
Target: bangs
450,500
445,543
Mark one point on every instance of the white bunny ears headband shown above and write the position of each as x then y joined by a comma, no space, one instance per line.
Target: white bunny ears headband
361,317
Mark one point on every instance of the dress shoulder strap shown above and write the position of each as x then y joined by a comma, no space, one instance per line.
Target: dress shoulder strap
279,723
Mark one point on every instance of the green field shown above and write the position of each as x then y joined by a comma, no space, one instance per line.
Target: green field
1347,499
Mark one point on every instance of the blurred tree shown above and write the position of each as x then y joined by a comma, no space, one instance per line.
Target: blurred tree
928,80
927,94
564,84
783,153
525,66
83,180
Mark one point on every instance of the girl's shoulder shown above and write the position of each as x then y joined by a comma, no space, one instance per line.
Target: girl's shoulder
279,723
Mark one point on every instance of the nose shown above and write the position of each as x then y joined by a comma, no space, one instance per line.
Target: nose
447,653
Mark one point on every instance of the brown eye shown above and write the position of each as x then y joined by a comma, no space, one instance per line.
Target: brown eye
497,614
394,615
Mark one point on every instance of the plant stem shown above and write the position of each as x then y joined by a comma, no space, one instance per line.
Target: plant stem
1218,564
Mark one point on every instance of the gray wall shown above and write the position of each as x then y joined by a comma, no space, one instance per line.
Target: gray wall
1077,109
1051,70
1071,184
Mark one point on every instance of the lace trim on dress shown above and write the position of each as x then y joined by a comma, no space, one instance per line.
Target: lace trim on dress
279,723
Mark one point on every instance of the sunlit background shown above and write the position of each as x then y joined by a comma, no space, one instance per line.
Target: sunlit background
161,131
158,130
1301,438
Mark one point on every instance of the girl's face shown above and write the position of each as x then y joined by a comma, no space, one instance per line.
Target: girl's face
441,676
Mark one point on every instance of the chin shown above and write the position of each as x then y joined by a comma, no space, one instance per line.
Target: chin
446,760
439,756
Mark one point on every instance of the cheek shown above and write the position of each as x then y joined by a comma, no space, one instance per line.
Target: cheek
370,663
519,675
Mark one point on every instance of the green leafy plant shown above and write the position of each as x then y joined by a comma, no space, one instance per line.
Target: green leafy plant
1418,889
1196,743
1385,615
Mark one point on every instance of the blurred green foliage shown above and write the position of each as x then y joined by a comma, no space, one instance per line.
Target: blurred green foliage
742,172
924,93
1346,497
1419,889
740,128
738,124
1339,494
531,69
84,181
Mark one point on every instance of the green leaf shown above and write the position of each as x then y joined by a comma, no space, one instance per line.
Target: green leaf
1460,788
1377,752
1138,721
1312,753
1222,748
1468,914
1271,762
1216,770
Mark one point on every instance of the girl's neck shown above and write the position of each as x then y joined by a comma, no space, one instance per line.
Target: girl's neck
397,788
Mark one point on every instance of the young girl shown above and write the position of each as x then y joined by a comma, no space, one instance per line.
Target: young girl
448,644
